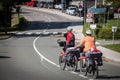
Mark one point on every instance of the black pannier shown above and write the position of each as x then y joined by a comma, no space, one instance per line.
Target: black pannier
98,57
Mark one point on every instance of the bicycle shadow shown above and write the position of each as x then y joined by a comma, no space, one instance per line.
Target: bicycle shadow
103,77
4,57
108,77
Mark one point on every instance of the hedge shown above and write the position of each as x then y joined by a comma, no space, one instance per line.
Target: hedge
106,33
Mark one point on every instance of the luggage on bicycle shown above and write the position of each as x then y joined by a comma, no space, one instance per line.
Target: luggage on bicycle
73,52
98,57
61,43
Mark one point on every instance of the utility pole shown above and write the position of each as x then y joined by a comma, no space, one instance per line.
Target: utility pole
85,11
63,5
95,3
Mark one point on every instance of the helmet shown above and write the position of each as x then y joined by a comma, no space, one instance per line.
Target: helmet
88,32
69,29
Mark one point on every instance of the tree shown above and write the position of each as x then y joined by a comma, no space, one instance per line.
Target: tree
6,12
115,3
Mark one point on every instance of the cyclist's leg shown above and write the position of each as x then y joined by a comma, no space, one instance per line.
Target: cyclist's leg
82,57
89,60
63,52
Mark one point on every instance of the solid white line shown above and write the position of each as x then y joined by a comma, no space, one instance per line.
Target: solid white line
42,57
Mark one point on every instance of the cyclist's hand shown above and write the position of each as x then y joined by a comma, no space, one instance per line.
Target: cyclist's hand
75,47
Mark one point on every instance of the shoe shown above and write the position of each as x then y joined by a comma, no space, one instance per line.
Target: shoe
63,54
99,64
68,64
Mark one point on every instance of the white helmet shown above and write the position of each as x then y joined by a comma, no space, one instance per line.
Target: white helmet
88,32
69,29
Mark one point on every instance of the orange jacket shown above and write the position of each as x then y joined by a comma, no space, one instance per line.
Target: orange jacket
88,42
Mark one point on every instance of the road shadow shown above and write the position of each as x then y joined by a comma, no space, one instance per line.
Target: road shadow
40,26
103,77
4,57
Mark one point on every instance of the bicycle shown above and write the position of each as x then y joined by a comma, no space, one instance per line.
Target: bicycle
69,59
93,68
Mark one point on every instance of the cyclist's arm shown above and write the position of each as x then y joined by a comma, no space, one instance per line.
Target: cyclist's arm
80,44
60,35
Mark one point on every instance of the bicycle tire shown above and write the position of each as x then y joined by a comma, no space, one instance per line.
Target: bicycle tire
62,62
95,72
74,63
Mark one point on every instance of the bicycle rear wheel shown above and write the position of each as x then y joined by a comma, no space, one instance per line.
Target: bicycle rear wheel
62,62
95,72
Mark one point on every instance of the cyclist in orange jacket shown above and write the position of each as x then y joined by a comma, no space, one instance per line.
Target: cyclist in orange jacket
89,44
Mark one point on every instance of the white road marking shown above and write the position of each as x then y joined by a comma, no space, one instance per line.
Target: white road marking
42,57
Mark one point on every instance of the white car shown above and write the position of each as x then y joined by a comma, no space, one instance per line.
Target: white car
71,10
58,6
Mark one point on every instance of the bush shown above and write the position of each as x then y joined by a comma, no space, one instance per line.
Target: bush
106,33
22,24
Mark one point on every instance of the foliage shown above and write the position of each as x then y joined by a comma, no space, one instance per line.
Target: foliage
106,33
23,23
115,3
16,25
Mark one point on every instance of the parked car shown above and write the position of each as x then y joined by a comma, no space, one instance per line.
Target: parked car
50,5
58,6
32,3
71,10
117,10
45,5
40,4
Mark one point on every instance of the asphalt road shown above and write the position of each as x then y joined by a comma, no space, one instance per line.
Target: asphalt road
33,54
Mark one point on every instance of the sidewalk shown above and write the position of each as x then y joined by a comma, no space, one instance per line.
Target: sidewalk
108,54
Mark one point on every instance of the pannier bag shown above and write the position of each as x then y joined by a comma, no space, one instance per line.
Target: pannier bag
98,57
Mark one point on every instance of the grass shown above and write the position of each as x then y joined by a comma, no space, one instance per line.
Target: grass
115,47
113,22
15,20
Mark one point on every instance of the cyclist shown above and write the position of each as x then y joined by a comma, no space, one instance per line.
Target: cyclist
89,44
70,39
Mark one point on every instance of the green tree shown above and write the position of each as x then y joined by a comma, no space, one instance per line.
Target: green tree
6,12
115,3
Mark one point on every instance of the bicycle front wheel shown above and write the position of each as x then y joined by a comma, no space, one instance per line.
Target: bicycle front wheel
74,63
62,62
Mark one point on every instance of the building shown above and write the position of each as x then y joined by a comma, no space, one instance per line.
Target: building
92,3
